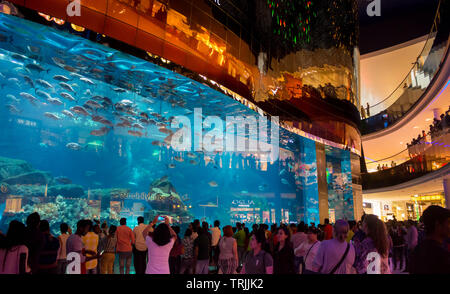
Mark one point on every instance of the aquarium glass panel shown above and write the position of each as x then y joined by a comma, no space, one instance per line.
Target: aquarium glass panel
87,132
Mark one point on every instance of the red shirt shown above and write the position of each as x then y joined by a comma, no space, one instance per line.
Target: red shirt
125,238
328,232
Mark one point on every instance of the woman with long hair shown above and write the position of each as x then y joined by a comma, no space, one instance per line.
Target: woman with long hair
159,243
13,252
377,241
228,256
283,253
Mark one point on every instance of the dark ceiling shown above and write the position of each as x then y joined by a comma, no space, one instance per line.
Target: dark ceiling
400,21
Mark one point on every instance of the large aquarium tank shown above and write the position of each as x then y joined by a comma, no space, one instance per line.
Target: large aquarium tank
87,132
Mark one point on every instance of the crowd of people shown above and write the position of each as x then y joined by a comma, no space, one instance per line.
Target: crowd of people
386,166
436,128
157,248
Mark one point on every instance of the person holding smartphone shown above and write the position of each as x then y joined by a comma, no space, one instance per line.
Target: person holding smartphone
159,243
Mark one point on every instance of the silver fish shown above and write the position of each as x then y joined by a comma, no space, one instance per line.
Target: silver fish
79,110
13,80
58,61
119,90
88,81
43,94
97,118
93,104
107,122
76,75
61,78
138,126
67,87
12,97
68,113
44,84
52,116
29,97
67,96
28,80
54,101
126,102
148,101
74,146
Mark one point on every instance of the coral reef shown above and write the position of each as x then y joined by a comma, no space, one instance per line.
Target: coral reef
62,210
58,200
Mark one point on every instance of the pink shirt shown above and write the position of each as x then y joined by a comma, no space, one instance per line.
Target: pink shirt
125,238
158,257
12,261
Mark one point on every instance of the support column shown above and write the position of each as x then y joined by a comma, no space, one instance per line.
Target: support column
446,183
322,181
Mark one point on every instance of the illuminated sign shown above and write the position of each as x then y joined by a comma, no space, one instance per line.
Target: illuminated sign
243,203
428,198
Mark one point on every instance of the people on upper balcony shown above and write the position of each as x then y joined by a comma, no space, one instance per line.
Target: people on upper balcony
363,112
434,129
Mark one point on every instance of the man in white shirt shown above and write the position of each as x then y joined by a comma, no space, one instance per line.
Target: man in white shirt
297,239
215,237
308,250
140,247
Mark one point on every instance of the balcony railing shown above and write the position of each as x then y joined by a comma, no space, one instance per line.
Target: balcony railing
426,157
426,67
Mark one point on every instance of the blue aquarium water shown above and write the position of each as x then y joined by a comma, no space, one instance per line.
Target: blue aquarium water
85,133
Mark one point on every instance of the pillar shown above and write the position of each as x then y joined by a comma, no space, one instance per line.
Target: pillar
446,183
322,182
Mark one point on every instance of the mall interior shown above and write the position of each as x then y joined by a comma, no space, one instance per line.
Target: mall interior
357,105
